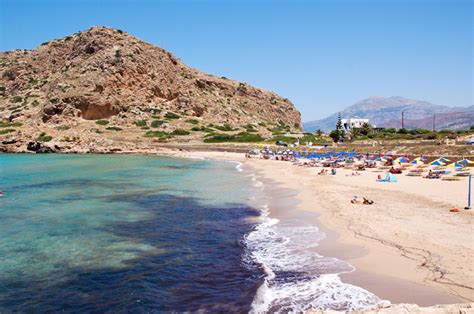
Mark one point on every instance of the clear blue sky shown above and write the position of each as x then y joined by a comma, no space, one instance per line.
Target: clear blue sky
323,55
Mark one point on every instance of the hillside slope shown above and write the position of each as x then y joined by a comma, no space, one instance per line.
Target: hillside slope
104,73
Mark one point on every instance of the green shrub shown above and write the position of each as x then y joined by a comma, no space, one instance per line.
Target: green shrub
114,128
418,131
7,125
140,123
180,132
63,127
44,138
250,128
157,123
5,131
192,121
102,122
171,115
308,137
430,136
242,137
225,127
16,99
160,134
286,139
280,129
202,129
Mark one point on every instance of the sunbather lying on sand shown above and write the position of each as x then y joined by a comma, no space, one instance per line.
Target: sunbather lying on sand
367,201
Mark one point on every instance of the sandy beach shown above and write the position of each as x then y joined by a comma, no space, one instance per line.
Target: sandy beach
407,247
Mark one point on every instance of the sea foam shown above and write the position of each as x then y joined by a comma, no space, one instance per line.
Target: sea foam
298,279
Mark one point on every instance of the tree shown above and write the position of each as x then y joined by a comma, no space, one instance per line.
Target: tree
319,133
339,128
335,135
366,128
472,127
402,131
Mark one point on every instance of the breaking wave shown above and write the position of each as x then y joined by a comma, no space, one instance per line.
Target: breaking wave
296,278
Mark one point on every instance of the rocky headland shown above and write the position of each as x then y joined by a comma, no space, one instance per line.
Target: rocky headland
104,90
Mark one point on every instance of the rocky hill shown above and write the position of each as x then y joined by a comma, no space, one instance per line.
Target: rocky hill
106,84
386,112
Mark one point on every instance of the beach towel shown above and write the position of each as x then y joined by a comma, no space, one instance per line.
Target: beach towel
388,178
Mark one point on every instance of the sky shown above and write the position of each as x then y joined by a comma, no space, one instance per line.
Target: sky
324,55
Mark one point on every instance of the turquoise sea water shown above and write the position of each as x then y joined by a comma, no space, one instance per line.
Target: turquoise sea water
124,233
141,234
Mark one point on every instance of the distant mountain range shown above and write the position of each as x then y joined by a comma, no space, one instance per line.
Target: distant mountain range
387,112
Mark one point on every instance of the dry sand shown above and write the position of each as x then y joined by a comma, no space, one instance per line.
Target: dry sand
407,247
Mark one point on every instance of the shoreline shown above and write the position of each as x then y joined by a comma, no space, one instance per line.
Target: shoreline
401,271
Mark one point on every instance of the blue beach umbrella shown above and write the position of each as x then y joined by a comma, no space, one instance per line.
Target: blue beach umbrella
465,161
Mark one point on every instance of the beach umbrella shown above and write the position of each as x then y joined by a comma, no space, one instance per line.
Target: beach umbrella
454,165
442,159
465,161
437,163
403,159
417,162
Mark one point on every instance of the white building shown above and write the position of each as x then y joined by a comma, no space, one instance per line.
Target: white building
351,123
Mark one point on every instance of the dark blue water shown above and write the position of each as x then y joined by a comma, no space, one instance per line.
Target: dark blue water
124,234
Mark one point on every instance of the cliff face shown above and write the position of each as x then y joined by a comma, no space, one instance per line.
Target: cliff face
104,73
